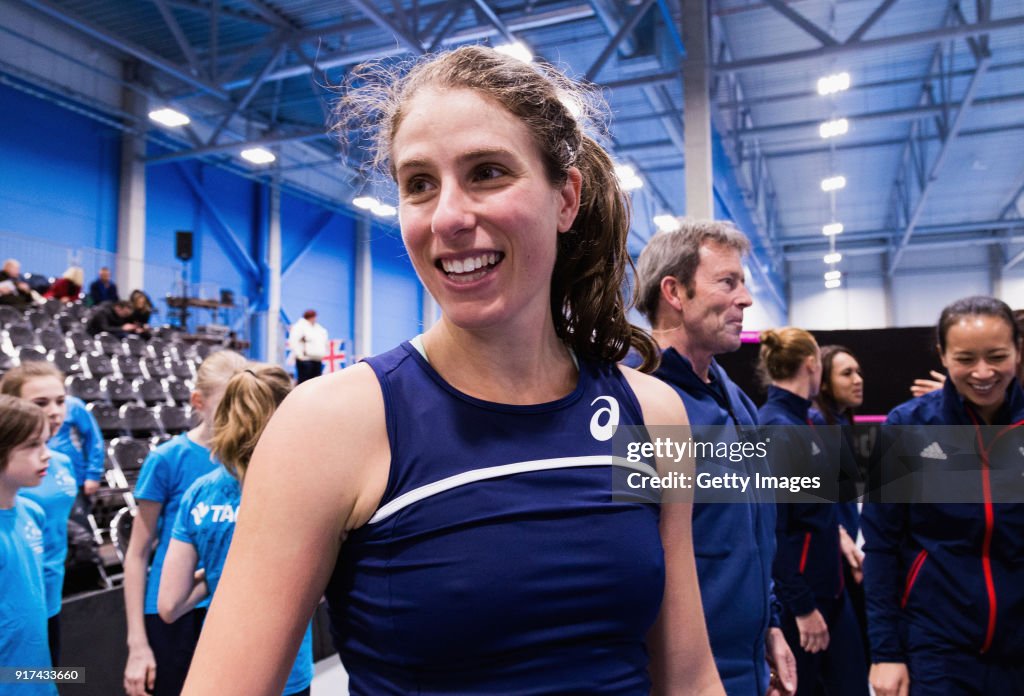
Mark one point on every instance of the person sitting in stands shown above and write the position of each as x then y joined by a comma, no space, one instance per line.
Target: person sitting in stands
142,308
68,287
114,318
103,289
14,291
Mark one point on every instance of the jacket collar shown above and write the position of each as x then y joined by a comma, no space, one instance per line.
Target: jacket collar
954,405
789,402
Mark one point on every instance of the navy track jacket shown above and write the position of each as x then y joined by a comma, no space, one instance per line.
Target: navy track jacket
950,575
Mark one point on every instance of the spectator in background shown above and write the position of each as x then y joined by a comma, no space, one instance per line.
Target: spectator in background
103,289
114,318
308,341
14,291
142,309
68,287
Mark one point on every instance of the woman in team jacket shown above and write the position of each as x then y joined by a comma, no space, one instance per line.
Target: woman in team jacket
817,617
945,581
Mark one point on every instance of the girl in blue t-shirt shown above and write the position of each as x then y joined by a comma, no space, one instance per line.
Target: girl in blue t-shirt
43,384
23,464
158,653
206,518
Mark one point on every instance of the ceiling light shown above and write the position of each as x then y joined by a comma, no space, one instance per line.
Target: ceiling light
832,229
830,84
834,257
516,50
169,117
832,284
830,129
833,183
627,176
365,202
833,275
666,223
384,210
258,155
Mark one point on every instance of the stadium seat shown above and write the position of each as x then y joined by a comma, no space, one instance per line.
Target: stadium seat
182,369
109,344
127,366
180,391
21,335
153,391
85,388
53,307
128,454
39,319
136,346
81,341
156,367
139,420
51,338
107,417
9,316
175,419
68,363
31,354
99,365
119,390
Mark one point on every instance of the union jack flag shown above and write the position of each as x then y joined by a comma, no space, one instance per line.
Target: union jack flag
335,359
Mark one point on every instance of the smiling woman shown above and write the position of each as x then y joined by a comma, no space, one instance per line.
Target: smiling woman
460,519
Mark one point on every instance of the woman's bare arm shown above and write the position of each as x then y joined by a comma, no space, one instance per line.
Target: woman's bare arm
318,472
681,660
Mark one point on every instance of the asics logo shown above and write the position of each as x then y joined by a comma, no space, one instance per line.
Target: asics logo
605,419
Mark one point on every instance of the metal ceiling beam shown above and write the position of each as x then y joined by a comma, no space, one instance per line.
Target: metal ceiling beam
525,23
129,48
179,36
940,158
276,139
906,114
493,18
384,22
611,20
613,45
249,94
866,25
922,37
885,234
205,9
1011,209
921,244
888,142
820,35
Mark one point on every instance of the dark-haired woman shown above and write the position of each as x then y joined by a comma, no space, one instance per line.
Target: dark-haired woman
457,489
841,393
945,580
817,617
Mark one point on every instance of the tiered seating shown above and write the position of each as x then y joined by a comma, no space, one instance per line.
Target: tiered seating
138,391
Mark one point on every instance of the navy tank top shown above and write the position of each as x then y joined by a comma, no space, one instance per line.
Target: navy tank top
498,561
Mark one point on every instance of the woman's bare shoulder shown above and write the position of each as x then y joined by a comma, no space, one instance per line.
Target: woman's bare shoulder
660,403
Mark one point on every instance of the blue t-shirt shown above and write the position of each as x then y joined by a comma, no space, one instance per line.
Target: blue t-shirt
56,496
206,520
81,440
166,474
22,597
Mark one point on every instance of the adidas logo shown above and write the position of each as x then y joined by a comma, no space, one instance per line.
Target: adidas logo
815,450
933,451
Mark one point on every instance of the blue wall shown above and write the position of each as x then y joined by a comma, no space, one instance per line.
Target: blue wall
397,292
59,177
58,180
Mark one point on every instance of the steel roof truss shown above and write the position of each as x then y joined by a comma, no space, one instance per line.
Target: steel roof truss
179,37
819,34
249,93
866,25
627,28
400,31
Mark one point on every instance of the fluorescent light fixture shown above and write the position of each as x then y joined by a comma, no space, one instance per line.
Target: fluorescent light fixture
833,183
516,50
830,84
832,229
833,275
365,202
258,155
384,210
666,223
834,257
169,117
627,176
830,129
832,284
